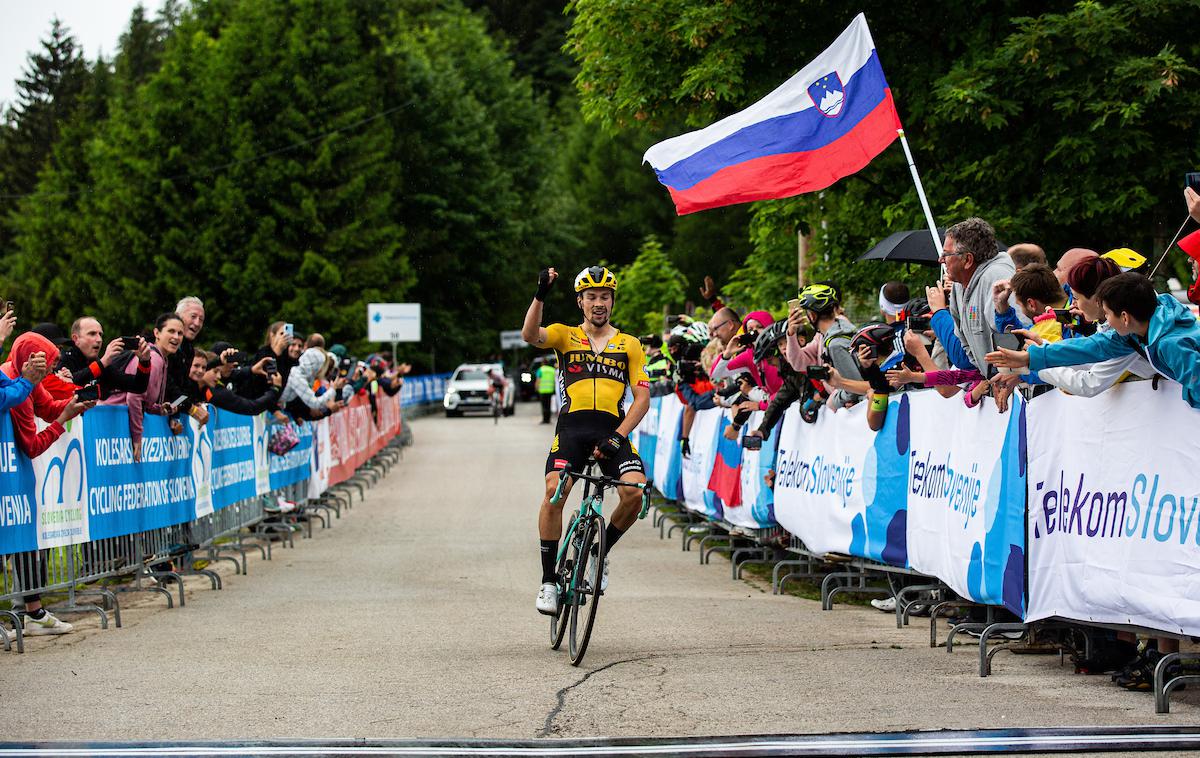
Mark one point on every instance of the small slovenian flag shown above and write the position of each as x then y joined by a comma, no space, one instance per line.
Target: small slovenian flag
826,122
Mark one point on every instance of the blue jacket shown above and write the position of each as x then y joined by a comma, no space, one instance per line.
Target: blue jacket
1172,346
13,392
943,326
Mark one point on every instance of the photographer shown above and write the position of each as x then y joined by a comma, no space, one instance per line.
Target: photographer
190,312
168,336
298,397
87,364
209,372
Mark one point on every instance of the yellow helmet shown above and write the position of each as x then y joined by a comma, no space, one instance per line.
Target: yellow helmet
1128,260
595,276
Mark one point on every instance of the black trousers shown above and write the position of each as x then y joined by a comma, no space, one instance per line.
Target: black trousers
545,398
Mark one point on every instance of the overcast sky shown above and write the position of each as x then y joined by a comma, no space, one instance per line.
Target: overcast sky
96,24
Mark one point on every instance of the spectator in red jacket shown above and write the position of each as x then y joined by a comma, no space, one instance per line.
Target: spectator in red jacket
39,403
31,354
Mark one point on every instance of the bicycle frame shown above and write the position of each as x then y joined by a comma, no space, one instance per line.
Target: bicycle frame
593,502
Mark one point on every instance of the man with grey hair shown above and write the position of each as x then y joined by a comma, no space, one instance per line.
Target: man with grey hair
973,265
179,365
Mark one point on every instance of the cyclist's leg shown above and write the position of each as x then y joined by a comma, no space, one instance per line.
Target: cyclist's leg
564,452
627,466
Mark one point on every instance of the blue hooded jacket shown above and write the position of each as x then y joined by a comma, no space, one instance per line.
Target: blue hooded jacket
1172,346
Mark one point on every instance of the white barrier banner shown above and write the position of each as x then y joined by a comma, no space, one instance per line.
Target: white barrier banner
757,509
667,467
646,437
1113,500
697,467
61,489
819,475
966,496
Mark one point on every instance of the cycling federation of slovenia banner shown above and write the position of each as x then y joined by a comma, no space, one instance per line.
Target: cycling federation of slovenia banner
88,485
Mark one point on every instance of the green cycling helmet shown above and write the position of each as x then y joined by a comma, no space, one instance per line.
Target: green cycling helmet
819,298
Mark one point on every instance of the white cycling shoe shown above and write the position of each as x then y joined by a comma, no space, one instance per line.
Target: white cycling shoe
547,599
603,576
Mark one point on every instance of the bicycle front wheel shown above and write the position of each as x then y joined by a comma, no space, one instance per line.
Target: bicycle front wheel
588,575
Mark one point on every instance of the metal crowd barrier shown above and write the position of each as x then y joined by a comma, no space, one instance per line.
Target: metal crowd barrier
89,577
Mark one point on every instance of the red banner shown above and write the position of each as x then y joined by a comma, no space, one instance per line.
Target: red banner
354,435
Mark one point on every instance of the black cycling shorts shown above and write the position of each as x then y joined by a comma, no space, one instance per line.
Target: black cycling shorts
573,447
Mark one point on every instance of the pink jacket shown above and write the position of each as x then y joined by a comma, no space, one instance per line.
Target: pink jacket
150,401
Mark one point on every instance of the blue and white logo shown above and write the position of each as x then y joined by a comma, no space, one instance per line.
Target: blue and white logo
828,94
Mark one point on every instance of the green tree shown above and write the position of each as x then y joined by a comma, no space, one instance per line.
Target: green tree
646,286
1014,109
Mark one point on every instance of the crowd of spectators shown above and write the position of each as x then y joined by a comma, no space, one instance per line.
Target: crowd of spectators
53,377
998,321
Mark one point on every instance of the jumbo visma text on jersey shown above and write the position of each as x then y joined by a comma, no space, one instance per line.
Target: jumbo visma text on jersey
595,381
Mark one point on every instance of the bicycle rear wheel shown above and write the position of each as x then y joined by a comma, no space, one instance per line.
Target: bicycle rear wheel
587,588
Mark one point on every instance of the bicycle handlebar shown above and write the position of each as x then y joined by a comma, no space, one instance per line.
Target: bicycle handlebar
565,474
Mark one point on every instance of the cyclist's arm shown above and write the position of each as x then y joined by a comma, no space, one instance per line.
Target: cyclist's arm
639,384
633,417
532,330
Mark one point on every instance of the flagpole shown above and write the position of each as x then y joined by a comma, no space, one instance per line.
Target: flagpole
912,167
1167,250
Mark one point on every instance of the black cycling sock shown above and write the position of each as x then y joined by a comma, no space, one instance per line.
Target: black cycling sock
611,535
37,615
549,558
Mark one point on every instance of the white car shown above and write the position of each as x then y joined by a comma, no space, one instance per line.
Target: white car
468,390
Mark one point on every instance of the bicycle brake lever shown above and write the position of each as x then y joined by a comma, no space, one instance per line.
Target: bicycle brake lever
562,482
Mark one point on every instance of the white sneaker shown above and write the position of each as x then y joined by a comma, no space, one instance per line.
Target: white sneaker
603,576
887,605
547,599
47,624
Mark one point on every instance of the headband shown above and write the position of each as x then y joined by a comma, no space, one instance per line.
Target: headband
887,306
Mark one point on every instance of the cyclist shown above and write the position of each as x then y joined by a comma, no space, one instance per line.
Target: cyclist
496,385
596,364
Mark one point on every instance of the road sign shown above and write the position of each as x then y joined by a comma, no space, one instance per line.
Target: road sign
512,340
394,322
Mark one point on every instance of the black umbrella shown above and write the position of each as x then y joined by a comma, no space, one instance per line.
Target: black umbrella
907,247
911,247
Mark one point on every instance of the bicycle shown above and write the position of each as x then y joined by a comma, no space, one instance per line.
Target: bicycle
497,405
585,535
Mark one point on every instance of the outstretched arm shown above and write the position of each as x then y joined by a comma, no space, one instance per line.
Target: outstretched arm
532,331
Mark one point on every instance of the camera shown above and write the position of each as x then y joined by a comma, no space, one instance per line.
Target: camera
729,391
1190,179
820,373
240,357
88,392
689,370
271,367
1064,316
129,343
746,339
652,341
752,442
919,323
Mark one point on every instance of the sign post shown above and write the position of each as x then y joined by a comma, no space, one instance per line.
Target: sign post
512,339
394,323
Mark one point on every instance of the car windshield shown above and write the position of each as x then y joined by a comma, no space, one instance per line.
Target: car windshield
470,375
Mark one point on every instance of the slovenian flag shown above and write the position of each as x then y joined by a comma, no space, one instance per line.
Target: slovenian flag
826,122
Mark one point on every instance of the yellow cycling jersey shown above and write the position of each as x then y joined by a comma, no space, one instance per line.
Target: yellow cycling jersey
591,381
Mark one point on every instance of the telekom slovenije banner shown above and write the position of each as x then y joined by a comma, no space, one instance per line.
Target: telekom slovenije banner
1114,499
91,484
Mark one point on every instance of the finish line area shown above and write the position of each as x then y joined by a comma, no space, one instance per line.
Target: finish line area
995,741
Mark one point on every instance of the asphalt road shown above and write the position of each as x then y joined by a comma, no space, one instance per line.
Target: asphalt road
413,617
